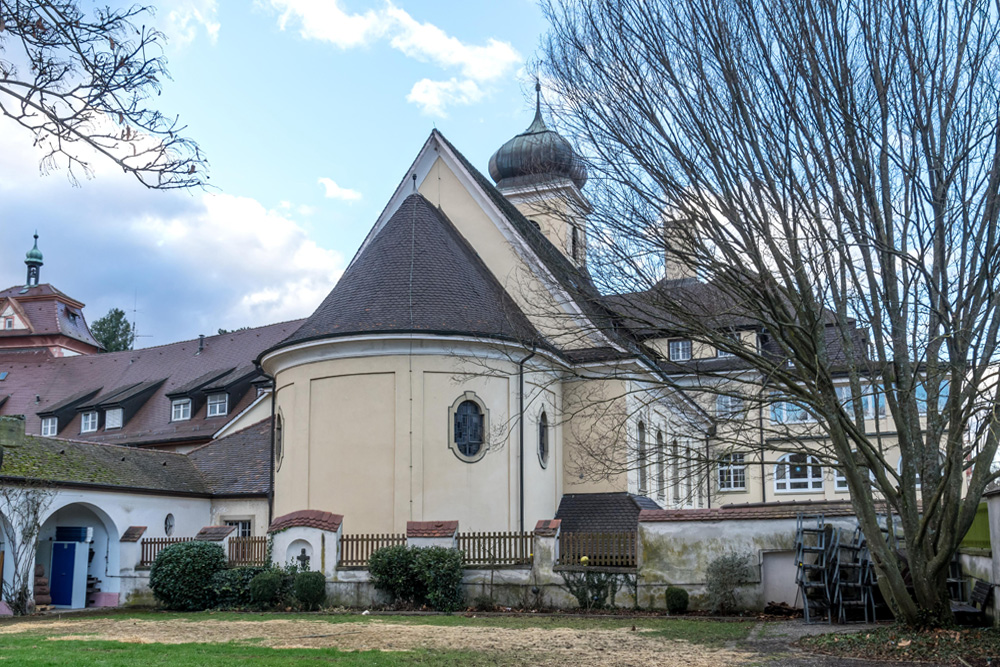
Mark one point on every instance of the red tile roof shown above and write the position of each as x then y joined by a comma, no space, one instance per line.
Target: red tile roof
307,519
214,533
751,511
431,528
547,527
133,533
36,382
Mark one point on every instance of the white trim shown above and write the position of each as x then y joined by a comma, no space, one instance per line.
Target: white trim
177,402
209,404
54,423
225,428
470,397
85,419
810,481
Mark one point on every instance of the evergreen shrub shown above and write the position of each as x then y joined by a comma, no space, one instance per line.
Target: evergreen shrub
181,576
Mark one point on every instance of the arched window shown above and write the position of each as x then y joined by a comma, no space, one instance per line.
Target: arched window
543,439
797,473
469,424
279,442
661,465
840,479
642,459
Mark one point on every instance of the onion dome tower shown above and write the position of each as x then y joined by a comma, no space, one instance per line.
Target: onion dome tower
541,174
33,258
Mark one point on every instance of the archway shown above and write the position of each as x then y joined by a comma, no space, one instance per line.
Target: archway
79,549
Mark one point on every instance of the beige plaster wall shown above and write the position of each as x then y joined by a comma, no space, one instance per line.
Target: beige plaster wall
254,509
368,438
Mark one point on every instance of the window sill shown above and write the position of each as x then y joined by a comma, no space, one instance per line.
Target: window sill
799,492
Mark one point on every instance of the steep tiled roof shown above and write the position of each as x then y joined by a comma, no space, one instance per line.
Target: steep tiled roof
133,533
752,511
417,274
307,519
601,512
547,527
239,463
54,379
431,528
50,312
63,461
214,533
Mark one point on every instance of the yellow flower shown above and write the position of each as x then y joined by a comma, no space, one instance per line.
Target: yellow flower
584,560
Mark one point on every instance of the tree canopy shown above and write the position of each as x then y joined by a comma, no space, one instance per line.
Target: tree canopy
113,331
83,78
826,174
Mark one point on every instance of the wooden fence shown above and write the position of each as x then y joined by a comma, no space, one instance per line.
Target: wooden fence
600,549
501,548
356,549
248,550
152,546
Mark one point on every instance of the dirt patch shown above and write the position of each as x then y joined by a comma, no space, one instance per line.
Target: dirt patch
557,646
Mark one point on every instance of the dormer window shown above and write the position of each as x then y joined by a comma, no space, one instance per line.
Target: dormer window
680,349
8,323
88,422
113,419
218,405
180,409
50,427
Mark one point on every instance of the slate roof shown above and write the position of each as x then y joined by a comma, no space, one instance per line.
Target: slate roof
602,512
54,379
63,461
239,463
417,275
49,312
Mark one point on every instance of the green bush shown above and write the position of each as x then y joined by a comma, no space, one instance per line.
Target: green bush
724,576
268,588
440,571
181,576
309,589
676,599
419,575
232,587
391,571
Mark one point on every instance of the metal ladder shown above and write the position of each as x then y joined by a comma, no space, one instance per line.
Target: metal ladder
813,559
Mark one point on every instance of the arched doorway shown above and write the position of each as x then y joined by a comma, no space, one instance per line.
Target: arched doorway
78,548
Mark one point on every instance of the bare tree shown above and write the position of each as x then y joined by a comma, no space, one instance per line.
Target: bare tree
21,510
823,174
82,80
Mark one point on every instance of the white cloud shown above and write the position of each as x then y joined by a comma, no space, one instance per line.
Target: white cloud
185,17
433,97
325,20
334,191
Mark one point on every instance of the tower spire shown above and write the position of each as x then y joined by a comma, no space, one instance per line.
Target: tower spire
33,258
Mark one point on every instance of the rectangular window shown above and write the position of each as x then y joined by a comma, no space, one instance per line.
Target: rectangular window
786,412
732,473
242,527
50,427
8,323
113,418
727,407
218,405
680,350
88,422
180,409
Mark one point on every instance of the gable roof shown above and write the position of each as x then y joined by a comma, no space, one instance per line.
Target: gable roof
48,312
418,274
602,512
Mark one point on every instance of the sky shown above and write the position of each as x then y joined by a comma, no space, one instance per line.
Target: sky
309,112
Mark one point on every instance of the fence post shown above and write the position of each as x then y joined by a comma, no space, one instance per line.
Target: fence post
131,548
432,534
545,547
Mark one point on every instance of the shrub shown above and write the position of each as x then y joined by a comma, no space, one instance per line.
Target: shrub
391,571
181,576
676,599
440,571
725,575
231,588
420,575
268,588
309,588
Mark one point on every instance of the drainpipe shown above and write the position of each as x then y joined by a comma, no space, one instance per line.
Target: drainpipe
520,424
270,491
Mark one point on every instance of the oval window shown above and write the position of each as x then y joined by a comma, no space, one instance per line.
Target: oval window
543,439
469,428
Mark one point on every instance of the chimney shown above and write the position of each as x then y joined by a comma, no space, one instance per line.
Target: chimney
201,343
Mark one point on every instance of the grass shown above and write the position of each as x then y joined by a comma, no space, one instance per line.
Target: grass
896,643
697,631
34,651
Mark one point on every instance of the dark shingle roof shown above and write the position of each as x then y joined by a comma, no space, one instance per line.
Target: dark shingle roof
602,512
238,463
417,274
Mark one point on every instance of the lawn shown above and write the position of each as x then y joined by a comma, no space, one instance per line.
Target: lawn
226,638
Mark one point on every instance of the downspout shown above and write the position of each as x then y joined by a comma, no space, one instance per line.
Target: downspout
520,424
270,491
763,466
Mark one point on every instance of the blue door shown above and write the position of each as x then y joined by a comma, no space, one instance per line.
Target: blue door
61,577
